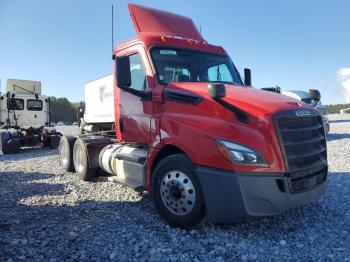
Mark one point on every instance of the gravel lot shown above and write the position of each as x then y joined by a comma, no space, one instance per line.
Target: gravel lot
48,214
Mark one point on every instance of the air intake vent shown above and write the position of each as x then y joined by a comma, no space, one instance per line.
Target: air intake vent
182,97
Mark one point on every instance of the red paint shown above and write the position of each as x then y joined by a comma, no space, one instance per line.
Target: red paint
157,22
193,128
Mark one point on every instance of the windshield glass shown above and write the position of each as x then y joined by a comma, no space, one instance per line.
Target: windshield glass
175,65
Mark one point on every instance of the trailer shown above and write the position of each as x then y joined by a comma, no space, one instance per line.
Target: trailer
189,132
25,117
99,105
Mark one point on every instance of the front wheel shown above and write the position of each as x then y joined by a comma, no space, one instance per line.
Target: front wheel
177,193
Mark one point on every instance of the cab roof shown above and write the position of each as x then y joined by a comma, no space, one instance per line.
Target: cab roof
157,22
161,28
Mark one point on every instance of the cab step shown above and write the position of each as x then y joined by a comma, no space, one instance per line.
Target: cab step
138,187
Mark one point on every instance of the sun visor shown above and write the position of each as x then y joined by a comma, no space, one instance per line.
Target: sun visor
157,22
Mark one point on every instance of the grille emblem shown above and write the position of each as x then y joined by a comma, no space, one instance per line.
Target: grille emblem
303,112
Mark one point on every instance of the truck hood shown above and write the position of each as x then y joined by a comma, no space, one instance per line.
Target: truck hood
157,22
256,102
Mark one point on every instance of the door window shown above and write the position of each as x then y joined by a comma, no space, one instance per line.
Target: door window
138,73
15,104
34,105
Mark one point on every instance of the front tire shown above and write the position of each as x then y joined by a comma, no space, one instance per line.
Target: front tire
177,193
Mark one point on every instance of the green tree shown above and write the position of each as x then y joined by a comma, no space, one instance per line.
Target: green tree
63,110
335,109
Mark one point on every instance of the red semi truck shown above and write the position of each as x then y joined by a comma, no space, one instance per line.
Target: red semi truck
204,144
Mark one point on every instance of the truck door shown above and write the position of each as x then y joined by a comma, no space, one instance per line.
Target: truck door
133,114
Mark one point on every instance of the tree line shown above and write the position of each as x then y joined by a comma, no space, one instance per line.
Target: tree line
335,109
64,110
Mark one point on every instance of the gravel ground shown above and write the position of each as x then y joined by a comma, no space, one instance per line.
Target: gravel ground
48,214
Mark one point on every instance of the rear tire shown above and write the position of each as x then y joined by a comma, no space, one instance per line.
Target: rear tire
9,143
177,193
81,161
65,150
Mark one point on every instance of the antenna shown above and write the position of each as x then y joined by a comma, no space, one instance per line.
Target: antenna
112,28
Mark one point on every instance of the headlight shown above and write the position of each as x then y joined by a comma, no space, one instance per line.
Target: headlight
239,154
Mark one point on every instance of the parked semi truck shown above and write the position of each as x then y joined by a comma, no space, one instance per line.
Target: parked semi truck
99,105
308,98
205,145
312,98
25,117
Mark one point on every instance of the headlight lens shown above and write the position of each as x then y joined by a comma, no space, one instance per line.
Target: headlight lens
239,154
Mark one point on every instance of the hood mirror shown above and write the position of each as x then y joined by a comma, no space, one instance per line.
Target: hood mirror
247,77
315,95
216,91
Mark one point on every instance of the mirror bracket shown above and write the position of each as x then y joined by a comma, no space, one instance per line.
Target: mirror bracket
217,92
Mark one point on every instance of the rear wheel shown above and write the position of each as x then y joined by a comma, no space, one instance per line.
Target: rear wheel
65,151
81,161
177,193
9,142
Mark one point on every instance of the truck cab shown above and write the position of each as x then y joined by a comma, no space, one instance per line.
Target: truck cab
25,117
308,98
201,141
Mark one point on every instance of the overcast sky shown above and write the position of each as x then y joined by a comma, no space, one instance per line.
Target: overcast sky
294,44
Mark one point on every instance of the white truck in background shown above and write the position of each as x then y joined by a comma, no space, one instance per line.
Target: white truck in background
25,117
308,98
99,106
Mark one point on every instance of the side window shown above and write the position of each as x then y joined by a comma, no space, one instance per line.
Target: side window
34,105
138,73
15,104
219,73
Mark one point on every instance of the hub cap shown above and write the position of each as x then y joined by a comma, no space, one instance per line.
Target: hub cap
177,192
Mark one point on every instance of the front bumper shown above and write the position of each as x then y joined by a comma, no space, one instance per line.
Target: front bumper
231,196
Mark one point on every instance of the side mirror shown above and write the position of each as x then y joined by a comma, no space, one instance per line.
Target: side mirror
123,72
247,77
315,95
216,91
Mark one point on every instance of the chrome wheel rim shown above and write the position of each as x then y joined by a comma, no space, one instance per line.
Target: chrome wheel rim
178,193
79,156
64,153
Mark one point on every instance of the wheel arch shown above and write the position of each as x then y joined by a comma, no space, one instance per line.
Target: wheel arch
166,150
155,156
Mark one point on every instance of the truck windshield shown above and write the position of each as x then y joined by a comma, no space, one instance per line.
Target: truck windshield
175,65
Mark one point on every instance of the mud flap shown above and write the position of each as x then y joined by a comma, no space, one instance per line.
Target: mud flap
54,141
